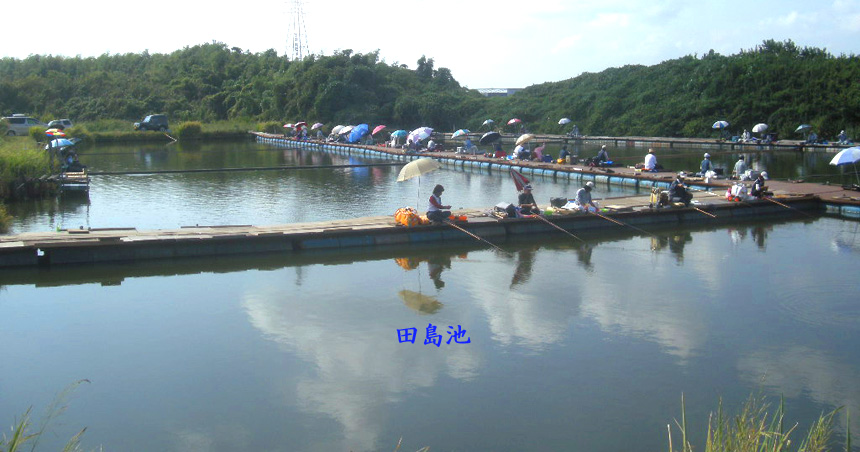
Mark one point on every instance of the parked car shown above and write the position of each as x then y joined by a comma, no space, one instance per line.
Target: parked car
61,124
153,122
19,124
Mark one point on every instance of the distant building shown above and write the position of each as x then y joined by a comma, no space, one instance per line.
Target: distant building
498,92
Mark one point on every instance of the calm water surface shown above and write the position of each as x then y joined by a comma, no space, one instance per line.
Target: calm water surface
572,347
273,197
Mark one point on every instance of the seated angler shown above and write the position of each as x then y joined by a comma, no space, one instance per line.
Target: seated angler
583,200
603,155
650,161
437,212
706,165
527,203
758,187
740,168
677,190
562,156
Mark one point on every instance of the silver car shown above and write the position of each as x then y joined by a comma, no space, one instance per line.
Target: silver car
61,124
20,124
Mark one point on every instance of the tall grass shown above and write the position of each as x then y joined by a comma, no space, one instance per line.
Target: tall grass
21,157
22,435
757,429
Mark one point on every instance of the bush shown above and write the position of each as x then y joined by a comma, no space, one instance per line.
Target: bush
5,219
190,130
270,127
37,133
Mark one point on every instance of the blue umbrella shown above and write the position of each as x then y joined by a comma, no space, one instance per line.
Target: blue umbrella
399,133
357,132
720,125
61,142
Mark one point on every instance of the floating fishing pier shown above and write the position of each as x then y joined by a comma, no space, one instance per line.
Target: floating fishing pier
633,214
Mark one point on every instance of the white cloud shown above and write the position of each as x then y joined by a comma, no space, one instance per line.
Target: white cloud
567,43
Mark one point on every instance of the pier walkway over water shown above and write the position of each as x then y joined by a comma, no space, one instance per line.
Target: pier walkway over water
624,176
74,246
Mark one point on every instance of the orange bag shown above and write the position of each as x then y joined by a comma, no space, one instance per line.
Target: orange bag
407,216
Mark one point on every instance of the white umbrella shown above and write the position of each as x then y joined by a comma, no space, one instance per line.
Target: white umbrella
524,139
760,127
416,168
720,125
803,127
346,129
487,122
336,129
563,121
848,156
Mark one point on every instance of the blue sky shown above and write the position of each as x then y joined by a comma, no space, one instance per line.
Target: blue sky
503,43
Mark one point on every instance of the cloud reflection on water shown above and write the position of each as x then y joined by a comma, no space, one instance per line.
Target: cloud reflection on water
800,371
356,372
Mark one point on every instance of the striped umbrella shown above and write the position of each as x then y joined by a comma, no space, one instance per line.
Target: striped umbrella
519,180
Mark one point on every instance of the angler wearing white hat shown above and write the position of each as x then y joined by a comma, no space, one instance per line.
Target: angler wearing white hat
758,187
583,199
706,164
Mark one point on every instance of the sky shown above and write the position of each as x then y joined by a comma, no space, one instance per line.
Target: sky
499,44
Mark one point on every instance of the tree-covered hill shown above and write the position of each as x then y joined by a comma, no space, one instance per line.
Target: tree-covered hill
777,83
214,82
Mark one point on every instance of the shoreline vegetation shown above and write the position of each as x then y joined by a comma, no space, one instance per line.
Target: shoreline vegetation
754,429
776,82
758,428
25,166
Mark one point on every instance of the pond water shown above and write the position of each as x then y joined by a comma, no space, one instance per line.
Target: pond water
173,200
570,346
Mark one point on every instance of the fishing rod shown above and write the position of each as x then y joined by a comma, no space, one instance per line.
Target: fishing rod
765,198
702,211
558,227
787,206
621,223
475,236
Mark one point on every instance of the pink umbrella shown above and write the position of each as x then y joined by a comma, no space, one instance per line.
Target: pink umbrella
377,129
513,121
316,126
288,126
301,124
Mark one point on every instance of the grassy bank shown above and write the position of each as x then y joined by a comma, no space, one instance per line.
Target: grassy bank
759,427
755,429
21,159
119,131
